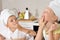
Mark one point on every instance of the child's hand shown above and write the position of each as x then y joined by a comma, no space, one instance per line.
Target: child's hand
20,38
32,33
42,22
28,31
53,27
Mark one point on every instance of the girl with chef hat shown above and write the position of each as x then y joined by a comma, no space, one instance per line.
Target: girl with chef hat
11,30
49,28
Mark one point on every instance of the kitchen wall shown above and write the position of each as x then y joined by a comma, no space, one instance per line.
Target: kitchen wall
35,6
0,5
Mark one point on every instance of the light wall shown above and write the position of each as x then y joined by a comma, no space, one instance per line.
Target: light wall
0,5
33,5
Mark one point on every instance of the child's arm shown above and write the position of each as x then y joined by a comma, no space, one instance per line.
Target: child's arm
39,35
51,35
23,39
19,39
56,36
28,31
2,38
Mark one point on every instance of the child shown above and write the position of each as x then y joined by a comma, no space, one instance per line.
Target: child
11,30
49,28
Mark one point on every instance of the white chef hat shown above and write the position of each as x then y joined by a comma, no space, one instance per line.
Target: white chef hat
55,6
5,14
16,12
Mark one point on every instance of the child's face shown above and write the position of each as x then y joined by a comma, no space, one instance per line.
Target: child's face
12,22
49,15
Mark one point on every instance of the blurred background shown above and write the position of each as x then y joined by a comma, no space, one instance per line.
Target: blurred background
35,6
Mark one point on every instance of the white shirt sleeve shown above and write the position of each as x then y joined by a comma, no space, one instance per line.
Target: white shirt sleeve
4,31
22,35
29,37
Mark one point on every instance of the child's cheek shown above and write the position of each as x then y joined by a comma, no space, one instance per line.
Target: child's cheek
15,25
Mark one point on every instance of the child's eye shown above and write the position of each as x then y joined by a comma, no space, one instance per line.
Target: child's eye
11,20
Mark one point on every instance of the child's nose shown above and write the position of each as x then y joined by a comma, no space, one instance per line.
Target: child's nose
15,21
